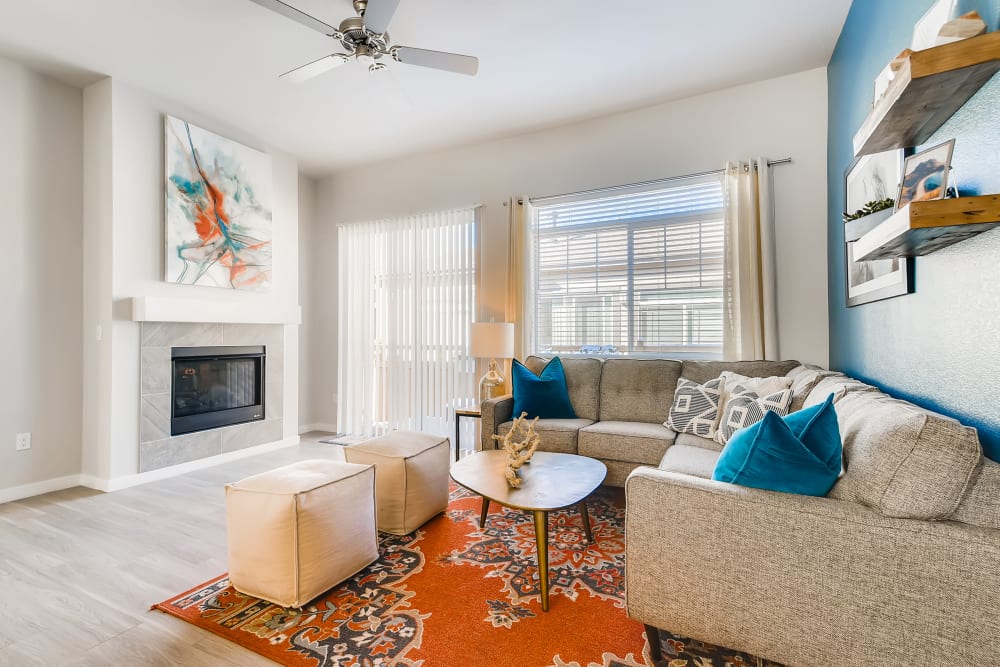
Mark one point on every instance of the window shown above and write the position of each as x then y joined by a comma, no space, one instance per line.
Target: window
635,271
407,297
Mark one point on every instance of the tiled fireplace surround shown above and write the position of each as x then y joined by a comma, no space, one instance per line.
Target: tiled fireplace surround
157,448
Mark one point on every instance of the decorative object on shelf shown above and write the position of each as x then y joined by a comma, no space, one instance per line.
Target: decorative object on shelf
926,91
925,174
490,340
870,181
926,30
218,210
520,451
869,208
965,26
921,227
888,74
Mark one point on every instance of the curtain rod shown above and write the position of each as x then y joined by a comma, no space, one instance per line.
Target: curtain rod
612,188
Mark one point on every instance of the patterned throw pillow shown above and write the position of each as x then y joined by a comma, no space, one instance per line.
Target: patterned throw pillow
746,407
696,407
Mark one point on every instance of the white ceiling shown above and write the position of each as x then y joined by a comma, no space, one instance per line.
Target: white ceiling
542,62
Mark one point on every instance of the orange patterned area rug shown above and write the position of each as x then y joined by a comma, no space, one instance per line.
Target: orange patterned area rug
452,595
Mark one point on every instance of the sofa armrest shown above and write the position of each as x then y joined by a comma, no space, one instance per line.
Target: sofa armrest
495,411
803,580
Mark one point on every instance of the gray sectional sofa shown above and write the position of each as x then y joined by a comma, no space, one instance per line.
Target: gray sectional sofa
621,405
898,565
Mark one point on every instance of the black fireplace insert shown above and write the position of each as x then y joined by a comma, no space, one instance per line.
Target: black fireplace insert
216,386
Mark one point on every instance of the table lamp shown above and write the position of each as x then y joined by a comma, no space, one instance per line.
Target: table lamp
492,340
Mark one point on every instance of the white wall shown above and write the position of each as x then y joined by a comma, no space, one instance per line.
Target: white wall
133,120
41,191
776,118
313,295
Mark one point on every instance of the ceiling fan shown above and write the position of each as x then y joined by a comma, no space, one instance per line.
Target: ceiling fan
364,38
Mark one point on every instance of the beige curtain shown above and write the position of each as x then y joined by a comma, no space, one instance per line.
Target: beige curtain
750,318
520,275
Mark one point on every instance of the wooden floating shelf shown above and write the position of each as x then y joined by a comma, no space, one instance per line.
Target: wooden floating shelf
921,227
930,87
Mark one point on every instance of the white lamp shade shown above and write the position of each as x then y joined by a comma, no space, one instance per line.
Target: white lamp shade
492,340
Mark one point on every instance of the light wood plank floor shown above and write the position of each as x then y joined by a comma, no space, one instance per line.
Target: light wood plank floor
79,568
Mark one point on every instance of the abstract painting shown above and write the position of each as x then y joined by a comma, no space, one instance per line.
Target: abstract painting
218,210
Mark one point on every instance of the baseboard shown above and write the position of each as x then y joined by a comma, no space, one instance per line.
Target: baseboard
38,488
126,481
319,426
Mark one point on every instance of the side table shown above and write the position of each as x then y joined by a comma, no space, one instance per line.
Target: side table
473,413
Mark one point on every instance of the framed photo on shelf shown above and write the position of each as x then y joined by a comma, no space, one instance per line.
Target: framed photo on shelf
925,175
874,178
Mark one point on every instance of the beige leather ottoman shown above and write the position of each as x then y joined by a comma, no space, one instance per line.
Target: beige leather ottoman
297,531
411,477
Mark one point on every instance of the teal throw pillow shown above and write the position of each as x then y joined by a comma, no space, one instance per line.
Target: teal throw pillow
544,395
800,453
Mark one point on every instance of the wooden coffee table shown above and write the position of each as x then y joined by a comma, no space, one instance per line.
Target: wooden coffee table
549,482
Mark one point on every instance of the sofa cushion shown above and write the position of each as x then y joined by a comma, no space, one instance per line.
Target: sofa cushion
635,442
798,454
804,380
762,386
557,435
703,371
901,460
638,390
838,385
981,504
583,380
542,394
746,408
696,407
692,440
689,460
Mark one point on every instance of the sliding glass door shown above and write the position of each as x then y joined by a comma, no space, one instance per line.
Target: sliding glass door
407,298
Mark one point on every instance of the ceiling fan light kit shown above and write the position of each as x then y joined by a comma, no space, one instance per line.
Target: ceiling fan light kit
365,38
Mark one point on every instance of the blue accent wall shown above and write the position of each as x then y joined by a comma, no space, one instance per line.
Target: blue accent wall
938,347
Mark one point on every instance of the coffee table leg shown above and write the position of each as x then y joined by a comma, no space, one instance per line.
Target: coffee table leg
486,510
585,516
542,543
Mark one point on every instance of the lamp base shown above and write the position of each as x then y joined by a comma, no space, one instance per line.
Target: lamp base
492,385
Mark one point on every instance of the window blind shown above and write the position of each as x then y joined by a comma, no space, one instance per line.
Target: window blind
634,272
407,298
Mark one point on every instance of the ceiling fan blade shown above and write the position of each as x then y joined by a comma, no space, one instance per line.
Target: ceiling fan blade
288,11
378,13
451,62
315,68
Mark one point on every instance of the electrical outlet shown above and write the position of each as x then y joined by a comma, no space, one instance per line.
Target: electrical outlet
23,441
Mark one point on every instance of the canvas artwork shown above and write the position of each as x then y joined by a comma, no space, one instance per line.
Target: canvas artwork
218,210
874,178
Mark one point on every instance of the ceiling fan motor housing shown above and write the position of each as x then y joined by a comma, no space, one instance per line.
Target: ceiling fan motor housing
355,35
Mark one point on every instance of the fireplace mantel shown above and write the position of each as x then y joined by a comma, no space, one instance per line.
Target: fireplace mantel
166,309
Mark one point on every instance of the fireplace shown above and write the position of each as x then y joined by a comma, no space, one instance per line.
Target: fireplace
216,386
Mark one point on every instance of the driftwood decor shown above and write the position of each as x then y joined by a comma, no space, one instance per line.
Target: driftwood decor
520,451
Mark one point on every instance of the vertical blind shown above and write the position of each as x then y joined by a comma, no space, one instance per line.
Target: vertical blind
407,298
637,271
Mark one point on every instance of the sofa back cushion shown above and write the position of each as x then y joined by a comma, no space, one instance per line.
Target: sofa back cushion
703,371
902,460
838,385
638,390
804,380
583,380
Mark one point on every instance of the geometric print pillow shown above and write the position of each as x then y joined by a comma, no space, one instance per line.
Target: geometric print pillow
746,408
696,407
